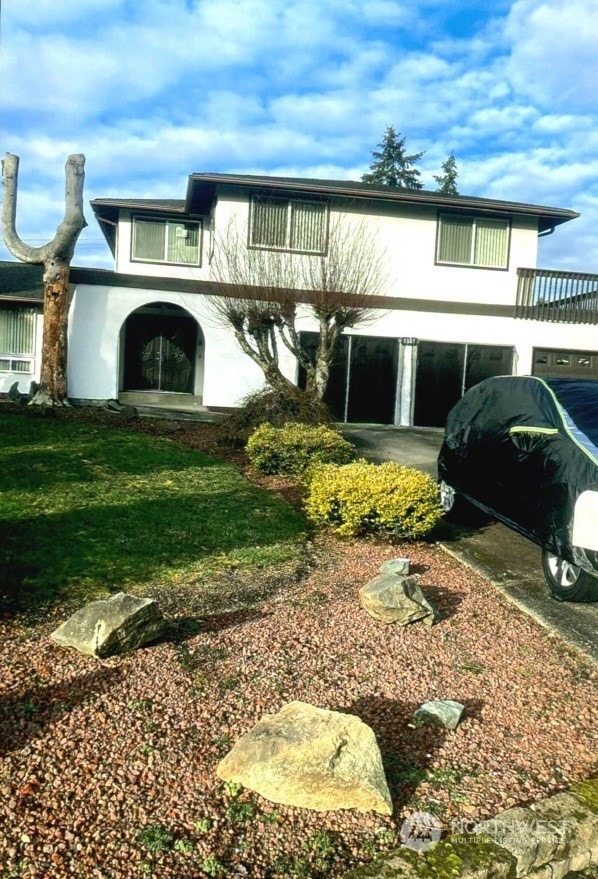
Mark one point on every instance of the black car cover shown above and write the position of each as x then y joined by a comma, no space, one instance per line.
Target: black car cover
524,449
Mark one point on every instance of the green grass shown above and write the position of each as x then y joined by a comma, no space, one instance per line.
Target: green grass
87,509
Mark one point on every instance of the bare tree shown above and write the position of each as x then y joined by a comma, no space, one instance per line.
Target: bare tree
258,292
55,257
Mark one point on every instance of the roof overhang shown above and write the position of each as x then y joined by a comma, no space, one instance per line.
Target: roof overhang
202,187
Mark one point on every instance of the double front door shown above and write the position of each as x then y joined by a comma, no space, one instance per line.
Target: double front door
160,353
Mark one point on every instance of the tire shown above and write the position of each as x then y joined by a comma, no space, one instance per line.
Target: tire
567,582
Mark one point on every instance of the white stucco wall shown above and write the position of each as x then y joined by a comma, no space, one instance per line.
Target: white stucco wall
96,318
408,243
98,314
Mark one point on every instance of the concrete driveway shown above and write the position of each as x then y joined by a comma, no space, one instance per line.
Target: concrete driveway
506,558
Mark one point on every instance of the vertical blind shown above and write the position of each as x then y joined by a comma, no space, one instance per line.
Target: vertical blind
491,243
17,331
183,243
290,225
455,240
307,226
269,228
148,240
473,241
163,241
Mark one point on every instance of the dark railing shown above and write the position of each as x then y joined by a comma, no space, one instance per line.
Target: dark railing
560,297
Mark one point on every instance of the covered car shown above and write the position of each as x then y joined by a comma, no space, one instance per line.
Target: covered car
525,451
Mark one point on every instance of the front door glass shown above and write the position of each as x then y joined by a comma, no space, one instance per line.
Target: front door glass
160,353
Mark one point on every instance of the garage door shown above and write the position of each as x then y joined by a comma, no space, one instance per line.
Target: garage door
446,370
549,363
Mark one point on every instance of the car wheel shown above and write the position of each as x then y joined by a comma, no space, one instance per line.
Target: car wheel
448,497
568,582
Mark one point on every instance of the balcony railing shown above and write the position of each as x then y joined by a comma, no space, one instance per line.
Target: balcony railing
559,297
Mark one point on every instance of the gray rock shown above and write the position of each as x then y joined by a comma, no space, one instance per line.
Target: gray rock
14,395
311,758
393,599
440,712
164,426
129,413
33,389
400,567
110,626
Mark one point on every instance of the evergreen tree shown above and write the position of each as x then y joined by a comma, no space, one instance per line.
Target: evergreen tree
447,181
391,165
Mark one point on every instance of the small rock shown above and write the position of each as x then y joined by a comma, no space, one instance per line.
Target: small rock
14,395
393,599
110,626
164,426
440,712
311,758
400,567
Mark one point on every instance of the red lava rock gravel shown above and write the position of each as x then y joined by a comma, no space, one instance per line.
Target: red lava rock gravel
107,768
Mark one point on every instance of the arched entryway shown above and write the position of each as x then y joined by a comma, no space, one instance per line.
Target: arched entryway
162,347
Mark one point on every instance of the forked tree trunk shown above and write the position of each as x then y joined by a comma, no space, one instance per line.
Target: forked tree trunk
55,257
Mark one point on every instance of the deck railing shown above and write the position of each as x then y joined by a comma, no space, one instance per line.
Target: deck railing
559,297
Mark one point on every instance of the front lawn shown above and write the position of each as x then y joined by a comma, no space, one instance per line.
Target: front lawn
86,509
108,768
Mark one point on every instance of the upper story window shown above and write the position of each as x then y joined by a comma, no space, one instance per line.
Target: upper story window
168,241
288,224
473,241
17,339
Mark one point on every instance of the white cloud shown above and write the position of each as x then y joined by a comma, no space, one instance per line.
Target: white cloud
152,92
554,55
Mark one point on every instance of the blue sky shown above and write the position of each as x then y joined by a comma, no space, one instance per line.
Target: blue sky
153,91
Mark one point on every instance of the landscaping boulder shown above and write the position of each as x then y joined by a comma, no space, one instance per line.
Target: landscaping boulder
14,394
312,758
114,625
400,567
128,413
440,712
393,599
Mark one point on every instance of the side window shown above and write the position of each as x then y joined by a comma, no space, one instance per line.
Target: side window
288,224
167,241
472,241
17,339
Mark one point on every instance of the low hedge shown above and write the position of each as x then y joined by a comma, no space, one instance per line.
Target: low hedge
294,447
359,498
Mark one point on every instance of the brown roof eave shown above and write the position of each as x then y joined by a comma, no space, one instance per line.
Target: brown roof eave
548,217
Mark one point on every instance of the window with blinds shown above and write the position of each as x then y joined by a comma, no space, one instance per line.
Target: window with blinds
473,241
288,224
17,339
166,241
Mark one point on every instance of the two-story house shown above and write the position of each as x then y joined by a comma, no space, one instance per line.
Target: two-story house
464,299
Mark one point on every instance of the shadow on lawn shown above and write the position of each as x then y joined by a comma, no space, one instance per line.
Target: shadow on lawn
45,558
24,717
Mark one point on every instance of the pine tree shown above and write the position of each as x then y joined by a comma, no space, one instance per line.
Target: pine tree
447,181
391,165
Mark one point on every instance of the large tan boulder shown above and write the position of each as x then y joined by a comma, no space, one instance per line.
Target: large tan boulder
312,758
393,599
111,626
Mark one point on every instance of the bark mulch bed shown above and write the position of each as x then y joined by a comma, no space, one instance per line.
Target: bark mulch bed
107,769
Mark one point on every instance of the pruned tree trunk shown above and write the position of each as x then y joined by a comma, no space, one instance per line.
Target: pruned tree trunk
55,257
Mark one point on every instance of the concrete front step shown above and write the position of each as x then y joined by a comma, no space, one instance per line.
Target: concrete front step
162,400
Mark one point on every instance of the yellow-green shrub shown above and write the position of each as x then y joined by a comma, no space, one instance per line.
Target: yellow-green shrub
293,447
360,497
